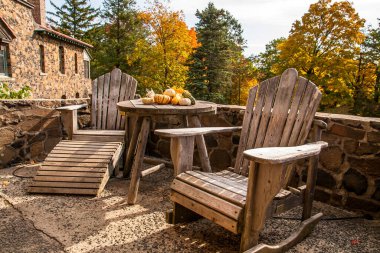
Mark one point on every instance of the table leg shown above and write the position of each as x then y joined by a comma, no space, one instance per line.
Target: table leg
138,161
132,147
201,145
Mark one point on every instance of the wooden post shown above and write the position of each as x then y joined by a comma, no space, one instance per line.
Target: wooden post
181,151
264,182
132,147
138,162
201,145
70,121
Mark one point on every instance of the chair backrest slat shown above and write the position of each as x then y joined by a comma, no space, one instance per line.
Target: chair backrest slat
279,114
108,90
94,106
99,102
113,98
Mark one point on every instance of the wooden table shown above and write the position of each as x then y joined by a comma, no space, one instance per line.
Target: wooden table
139,138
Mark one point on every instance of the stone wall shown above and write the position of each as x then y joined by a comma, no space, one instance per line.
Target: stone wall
25,58
348,171
29,129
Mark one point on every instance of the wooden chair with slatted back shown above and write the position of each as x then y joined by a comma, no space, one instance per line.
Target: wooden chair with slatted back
278,118
83,163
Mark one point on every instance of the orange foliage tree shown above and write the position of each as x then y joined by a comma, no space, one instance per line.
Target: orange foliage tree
322,46
165,51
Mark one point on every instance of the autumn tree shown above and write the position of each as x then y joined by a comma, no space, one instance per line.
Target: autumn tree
117,39
266,61
168,47
322,45
211,65
243,78
74,18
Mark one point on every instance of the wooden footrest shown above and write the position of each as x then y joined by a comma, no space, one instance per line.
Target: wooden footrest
77,167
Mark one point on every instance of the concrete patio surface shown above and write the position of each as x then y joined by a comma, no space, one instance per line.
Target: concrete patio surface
59,223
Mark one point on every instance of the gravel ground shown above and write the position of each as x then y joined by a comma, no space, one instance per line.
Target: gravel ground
59,223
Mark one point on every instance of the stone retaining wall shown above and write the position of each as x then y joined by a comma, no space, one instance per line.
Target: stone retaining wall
29,129
348,173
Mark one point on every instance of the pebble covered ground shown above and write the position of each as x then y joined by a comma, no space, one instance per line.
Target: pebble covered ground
62,223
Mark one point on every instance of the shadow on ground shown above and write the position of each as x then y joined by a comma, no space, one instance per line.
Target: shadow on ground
57,223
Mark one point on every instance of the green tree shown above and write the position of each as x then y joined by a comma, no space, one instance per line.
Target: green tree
211,65
322,46
372,45
116,39
74,18
266,61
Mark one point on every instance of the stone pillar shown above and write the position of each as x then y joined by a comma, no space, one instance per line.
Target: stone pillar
39,11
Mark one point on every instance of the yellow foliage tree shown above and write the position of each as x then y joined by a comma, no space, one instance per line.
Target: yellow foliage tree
322,46
164,54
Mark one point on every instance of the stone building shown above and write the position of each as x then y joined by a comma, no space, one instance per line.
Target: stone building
54,65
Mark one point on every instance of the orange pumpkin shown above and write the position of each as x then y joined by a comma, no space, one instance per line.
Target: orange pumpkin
175,99
162,99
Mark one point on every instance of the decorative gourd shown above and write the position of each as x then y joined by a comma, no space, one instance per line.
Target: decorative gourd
175,99
185,101
170,92
147,101
150,93
162,99
187,94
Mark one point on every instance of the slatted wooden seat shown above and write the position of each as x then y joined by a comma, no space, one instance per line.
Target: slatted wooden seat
84,163
278,118
77,167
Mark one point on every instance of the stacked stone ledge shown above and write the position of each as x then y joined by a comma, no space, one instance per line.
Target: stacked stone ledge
29,129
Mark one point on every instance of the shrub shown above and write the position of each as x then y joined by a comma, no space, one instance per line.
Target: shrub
7,93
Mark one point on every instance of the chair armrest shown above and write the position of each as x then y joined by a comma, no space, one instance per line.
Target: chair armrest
276,155
185,132
320,123
71,107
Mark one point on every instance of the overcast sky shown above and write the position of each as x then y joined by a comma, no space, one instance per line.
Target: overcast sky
262,20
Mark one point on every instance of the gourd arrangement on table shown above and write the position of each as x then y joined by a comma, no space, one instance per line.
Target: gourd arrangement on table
171,95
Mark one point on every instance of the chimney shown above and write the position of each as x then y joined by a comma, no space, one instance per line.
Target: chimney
39,11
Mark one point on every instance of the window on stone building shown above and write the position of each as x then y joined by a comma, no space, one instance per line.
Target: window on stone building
4,60
76,63
61,60
42,59
86,64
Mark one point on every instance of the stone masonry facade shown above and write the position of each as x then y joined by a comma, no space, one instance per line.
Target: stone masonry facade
24,53
348,171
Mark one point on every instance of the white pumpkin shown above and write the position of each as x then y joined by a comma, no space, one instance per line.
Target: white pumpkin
185,101
147,101
170,92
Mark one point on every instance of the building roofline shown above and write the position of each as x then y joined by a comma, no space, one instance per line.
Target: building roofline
25,3
9,30
60,36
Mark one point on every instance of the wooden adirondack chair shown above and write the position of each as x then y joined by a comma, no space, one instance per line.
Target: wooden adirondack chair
278,117
83,163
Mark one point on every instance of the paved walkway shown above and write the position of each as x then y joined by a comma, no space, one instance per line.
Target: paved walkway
56,223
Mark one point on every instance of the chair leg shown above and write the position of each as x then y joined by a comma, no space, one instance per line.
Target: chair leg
181,214
310,187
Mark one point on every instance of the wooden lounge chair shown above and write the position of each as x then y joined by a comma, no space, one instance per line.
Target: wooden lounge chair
278,117
83,163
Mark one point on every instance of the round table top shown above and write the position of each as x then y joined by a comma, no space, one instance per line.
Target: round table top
136,106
